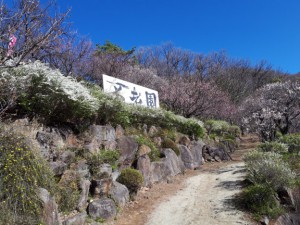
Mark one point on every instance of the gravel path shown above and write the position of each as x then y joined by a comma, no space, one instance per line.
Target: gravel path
205,200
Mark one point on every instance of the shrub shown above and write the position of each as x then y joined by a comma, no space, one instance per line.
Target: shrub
50,95
114,111
154,155
293,142
22,172
216,126
105,156
272,147
268,168
234,131
132,179
67,194
293,161
167,133
168,143
260,200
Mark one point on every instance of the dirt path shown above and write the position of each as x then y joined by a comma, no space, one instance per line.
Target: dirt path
205,200
199,197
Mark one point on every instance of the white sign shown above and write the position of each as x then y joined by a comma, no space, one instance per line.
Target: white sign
131,93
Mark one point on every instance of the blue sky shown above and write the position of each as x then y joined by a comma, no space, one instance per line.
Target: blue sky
249,29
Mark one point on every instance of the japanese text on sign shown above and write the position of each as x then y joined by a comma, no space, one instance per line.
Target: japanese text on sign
131,93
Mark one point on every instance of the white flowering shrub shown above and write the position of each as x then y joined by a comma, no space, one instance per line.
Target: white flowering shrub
12,84
268,168
45,92
273,107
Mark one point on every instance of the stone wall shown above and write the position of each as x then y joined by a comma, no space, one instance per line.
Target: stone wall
57,146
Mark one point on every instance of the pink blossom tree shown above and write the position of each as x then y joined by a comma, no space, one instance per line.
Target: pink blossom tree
192,97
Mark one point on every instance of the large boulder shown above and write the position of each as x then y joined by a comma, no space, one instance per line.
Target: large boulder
50,141
50,211
128,148
78,219
119,193
162,171
144,166
172,162
85,188
156,171
196,150
212,153
82,169
187,157
97,137
104,208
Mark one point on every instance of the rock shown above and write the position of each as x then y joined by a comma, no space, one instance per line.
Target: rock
144,166
207,157
85,188
119,193
58,167
187,157
78,219
143,150
168,167
104,208
152,131
105,168
217,159
109,145
101,187
128,148
68,157
184,140
165,169
96,135
119,132
50,142
211,153
115,175
196,149
157,141
288,219
286,198
290,198
50,212
229,145
156,171
82,169
264,220
25,127
221,153
172,161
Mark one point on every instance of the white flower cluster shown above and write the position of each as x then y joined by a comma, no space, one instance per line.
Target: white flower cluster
58,83
273,107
